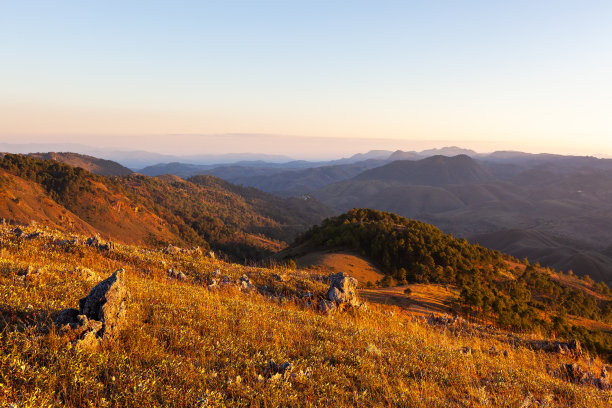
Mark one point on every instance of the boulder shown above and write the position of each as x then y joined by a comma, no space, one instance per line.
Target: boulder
101,316
277,372
346,285
575,374
107,303
342,294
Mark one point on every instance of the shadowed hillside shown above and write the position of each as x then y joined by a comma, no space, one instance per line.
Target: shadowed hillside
433,171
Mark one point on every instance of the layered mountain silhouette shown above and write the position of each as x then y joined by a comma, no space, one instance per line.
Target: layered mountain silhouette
553,209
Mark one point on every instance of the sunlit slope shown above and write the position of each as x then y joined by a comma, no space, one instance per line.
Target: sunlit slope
188,346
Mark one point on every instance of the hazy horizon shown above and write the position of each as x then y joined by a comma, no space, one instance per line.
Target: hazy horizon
287,147
310,80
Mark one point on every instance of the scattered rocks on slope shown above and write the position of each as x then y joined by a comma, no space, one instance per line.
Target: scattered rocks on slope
31,274
174,250
575,374
571,347
98,243
35,234
342,294
176,274
171,250
101,315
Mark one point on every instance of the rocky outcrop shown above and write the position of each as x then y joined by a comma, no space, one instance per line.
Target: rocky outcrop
101,316
577,375
174,250
571,347
342,294
98,243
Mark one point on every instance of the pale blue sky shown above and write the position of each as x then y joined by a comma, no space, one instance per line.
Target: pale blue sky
528,75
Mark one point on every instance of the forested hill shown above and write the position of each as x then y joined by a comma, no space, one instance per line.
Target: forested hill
404,248
242,223
493,287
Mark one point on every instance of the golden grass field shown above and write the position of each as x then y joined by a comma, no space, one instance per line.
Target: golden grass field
186,346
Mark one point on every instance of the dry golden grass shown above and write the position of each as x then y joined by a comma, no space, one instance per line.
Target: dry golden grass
422,300
188,347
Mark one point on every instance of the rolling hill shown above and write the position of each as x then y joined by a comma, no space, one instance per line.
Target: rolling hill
492,287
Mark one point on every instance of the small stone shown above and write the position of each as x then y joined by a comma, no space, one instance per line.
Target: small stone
467,350
327,306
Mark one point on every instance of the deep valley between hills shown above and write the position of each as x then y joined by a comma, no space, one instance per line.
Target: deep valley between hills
199,289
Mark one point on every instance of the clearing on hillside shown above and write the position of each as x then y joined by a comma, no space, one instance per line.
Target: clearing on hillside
347,262
423,299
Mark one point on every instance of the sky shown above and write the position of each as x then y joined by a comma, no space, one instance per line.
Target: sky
187,76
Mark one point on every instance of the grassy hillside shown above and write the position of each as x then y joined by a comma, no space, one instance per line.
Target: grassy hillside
186,346
493,289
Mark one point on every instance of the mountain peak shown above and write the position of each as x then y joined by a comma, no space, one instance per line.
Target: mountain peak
432,171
